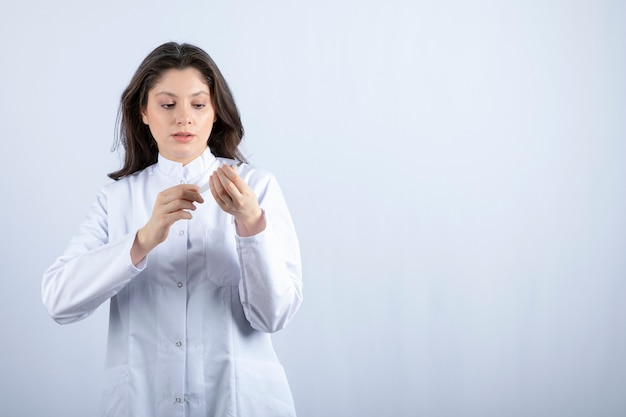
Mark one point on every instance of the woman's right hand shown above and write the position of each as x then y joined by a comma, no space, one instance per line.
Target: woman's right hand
170,206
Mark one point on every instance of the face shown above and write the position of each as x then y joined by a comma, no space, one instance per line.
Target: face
180,114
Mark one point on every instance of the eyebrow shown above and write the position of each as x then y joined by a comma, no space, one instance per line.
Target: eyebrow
167,93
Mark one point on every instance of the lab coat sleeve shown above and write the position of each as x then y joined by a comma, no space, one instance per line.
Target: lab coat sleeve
271,273
91,271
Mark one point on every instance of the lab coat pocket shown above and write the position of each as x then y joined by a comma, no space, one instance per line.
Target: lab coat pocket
114,398
222,263
263,390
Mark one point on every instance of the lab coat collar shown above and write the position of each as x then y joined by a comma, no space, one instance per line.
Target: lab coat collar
190,171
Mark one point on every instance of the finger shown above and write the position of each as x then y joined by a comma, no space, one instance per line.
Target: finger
219,193
174,207
165,222
167,205
161,223
178,205
190,192
178,215
227,183
176,188
230,172
215,193
183,192
191,195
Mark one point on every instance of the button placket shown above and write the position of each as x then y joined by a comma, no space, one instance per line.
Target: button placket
176,330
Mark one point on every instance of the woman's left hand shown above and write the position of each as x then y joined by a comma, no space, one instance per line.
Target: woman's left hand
235,197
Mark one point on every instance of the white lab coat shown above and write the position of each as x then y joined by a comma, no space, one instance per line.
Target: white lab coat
189,326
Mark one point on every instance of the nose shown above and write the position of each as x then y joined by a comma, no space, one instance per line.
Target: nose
182,118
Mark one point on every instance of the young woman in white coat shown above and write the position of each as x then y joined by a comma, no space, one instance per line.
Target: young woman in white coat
195,250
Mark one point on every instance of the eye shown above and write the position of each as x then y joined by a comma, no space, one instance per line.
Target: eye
199,106
168,105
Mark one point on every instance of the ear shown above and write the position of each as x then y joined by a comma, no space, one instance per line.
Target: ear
144,116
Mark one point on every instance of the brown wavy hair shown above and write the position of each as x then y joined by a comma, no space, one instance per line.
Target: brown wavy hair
139,145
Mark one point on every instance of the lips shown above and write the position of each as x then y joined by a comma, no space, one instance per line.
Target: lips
183,136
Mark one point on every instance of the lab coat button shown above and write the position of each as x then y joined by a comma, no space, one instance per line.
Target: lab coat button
180,285
179,344
179,400
182,232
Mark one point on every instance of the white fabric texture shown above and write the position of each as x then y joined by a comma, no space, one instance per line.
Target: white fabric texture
189,325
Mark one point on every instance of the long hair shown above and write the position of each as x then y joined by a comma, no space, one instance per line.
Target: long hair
139,145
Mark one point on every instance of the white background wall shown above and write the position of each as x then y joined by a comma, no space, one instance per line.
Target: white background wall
455,171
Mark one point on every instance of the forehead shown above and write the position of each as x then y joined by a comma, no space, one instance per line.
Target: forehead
180,81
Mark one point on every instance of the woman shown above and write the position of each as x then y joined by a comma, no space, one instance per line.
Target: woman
196,280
